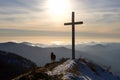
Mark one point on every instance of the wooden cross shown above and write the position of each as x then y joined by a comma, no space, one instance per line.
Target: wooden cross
73,23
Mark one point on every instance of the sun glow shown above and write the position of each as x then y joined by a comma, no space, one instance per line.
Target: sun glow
58,6
57,43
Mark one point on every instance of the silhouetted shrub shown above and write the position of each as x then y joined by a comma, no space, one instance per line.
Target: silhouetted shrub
50,66
92,66
83,60
62,60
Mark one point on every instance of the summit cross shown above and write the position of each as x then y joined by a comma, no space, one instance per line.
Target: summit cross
73,23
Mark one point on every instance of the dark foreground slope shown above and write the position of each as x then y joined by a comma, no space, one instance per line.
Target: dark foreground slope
40,73
12,65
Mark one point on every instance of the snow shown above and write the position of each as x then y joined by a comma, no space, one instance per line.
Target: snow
79,70
62,68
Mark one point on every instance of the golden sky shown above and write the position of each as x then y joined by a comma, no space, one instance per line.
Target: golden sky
42,21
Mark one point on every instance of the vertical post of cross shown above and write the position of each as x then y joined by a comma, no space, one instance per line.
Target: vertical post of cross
73,35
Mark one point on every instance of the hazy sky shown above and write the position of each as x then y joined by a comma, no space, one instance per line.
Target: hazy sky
42,21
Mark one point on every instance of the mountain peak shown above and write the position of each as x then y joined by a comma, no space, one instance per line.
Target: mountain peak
81,69
78,69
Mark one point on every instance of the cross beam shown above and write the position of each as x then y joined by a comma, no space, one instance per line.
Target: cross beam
73,23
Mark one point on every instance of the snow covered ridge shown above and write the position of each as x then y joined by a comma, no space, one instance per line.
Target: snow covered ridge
82,70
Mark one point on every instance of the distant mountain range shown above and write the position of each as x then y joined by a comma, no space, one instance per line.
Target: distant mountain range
12,65
101,53
39,55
